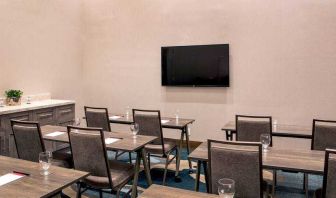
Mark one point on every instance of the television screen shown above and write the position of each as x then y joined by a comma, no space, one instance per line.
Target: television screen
197,65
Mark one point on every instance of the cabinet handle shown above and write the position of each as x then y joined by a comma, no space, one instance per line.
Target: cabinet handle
45,115
66,111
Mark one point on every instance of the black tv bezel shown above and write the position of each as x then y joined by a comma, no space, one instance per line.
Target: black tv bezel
166,85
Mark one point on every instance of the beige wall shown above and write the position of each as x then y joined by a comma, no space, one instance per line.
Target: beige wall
282,55
282,58
41,47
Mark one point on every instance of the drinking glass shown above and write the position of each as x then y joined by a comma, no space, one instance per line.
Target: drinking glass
2,102
127,112
177,112
265,140
45,162
226,188
28,99
135,129
77,122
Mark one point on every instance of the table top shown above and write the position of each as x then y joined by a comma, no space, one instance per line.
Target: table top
35,185
307,161
173,123
282,130
126,143
155,191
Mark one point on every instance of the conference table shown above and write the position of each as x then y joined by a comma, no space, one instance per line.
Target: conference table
31,183
166,122
279,130
305,161
125,143
155,191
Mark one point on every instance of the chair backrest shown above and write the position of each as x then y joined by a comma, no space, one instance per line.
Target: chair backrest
97,117
28,139
240,161
249,128
324,135
89,151
329,179
149,124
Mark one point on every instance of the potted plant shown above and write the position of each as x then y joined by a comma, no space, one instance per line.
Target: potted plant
13,97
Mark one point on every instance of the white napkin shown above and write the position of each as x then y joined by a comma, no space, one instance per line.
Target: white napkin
111,140
9,177
54,134
164,121
115,117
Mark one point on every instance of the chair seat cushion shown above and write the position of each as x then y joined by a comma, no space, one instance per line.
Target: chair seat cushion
156,149
121,172
64,155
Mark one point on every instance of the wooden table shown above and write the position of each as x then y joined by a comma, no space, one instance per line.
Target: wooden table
305,161
179,124
156,191
279,130
126,143
36,185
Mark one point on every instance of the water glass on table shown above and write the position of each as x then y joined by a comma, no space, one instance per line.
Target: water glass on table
77,122
226,188
45,162
265,140
135,129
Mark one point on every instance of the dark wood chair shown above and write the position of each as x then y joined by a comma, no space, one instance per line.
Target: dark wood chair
323,137
89,154
329,178
249,128
97,117
149,122
29,143
240,161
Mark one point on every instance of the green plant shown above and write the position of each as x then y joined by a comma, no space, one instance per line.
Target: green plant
13,93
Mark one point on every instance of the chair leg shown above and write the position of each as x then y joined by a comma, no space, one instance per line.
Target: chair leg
177,162
118,193
165,171
79,188
116,155
149,163
305,178
130,157
100,194
274,182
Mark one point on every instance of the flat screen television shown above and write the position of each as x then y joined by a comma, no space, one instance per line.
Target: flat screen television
196,65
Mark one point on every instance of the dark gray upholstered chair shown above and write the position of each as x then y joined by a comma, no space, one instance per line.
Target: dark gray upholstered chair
240,161
329,178
90,155
324,135
149,122
249,128
29,143
99,118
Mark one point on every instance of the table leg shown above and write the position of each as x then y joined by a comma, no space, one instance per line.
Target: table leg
136,174
198,173
188,146
146,167
206,175
306,184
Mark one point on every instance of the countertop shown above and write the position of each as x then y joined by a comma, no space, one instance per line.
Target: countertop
34,105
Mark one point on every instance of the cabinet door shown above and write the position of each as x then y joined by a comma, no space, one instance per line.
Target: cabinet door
45,116
65,114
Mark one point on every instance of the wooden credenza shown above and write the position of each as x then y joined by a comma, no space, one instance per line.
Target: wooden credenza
49,113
